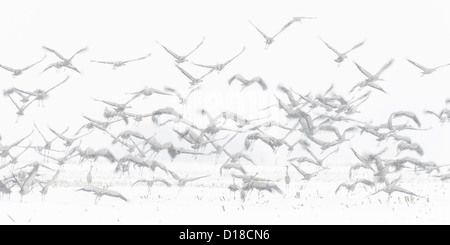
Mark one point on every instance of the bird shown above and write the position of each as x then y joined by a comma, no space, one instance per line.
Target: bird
426,70
287,178
351,186
408,114
89,176
220,66
371,79
99,192
118,107
183,99
146,92
65,62
393,187
150,182
48,143
181,58
17,72
245,82
193,81
27,185
41,95
5,149
270,40
68,141
232,165
20,109
342,56
117,64
233,188
47,184
376,77
306,176
181,182
443,115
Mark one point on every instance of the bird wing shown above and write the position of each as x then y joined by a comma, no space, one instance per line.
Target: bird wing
35,63
50,89
198,46
172,90
237,55
385,67
139,181
79,51
355,47
442,66
196,178
112,193
407,114
423,68
104,152
8,68
140,58
237,76
15,104
209,72
401,189
432,113
364,71
176,56
40,133
185,73
262,33
55,52
167,183
330,47
299,170
104,62
376,86
175,176
192,90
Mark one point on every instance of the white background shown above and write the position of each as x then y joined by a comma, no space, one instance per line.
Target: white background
120,30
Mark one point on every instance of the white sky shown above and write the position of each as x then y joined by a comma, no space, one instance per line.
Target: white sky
117,30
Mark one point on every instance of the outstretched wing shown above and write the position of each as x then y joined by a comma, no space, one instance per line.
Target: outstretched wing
238,77
262,33
140,58
79,51
176,56
185,73
65,80
330,47
198,46
35,63
355,47
237,55
55,52
364,71
385,67
423,68
104,62
7,68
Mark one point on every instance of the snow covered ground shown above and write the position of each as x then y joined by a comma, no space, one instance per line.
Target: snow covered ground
208,201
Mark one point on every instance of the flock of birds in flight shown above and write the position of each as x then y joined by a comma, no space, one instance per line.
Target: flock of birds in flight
307,118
